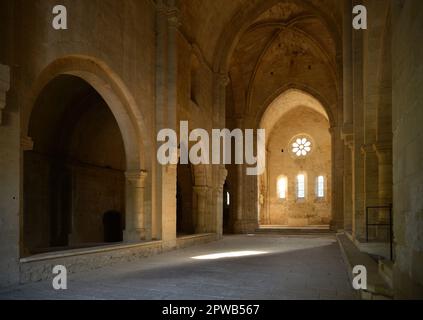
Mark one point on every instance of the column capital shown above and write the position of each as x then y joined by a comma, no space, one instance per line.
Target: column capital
201,190
137,178
348,140
174,17
27,144
383,150
223,173
222,78
200,173
367,149
334,130
382,147
170,167
171,12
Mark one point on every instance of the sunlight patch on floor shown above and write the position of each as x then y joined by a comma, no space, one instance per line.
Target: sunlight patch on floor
234,254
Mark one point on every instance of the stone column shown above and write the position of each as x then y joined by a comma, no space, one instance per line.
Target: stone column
348,136
160,94
221,81
358,131
385,181
170,172
358,194
337,179
200,195
370,175
348,114
167,22
268,187
347,67
348,183
173,22
168,205
371,196
135,219
240,170
218,196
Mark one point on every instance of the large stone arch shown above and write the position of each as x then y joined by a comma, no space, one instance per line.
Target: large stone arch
281,104
114,92
243,21
131,123
290,95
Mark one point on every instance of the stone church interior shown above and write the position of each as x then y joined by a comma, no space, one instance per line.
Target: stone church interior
336,85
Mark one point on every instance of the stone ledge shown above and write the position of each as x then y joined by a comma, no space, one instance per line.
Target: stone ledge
194,239
377,288
85,251
39,267
286,230
196,236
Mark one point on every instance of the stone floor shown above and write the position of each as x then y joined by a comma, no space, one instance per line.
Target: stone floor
239,267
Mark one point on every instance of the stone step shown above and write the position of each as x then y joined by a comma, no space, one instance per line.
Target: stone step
379,250
386,271
294,231
377,287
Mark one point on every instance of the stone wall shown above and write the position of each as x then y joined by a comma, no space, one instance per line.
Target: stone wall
118,36
9,157
408,156
9,196
291,211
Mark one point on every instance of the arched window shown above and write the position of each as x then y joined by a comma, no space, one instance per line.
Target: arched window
301,192
282,187
228,198
320,187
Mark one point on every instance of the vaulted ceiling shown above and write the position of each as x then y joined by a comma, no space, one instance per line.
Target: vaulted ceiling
286,46
206,21
275,44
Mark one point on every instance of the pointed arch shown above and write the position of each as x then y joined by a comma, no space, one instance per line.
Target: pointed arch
287,101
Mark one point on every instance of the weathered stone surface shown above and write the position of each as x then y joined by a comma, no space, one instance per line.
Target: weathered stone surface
408,162
283,268
80,110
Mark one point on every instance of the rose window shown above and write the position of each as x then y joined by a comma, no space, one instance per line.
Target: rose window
301,147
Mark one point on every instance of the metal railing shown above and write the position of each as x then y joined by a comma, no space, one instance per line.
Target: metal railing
389,225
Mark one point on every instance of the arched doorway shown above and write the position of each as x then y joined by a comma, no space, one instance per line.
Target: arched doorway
185,223
296,189
75,171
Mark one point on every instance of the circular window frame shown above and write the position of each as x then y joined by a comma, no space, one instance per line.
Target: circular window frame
294,139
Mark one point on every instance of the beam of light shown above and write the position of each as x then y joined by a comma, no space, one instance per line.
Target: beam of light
234,254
